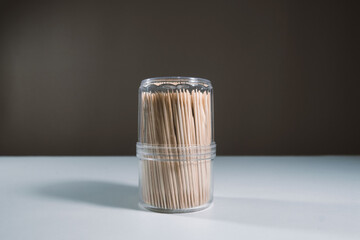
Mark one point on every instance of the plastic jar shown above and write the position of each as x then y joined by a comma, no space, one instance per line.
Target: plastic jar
176,145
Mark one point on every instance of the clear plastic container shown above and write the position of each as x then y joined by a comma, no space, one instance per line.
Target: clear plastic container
176,144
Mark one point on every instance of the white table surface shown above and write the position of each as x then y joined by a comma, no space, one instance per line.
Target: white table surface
50,198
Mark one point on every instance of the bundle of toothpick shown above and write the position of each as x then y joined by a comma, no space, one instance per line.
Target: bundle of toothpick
177,123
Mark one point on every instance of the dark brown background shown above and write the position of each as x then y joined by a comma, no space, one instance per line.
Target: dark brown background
285,73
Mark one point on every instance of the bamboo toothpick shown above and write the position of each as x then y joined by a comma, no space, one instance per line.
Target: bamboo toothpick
176,118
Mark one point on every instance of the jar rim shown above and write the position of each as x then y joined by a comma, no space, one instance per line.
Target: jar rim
175,79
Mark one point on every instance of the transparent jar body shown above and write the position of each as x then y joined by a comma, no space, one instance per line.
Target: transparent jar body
176,144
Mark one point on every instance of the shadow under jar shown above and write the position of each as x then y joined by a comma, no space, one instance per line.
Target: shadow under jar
176,144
